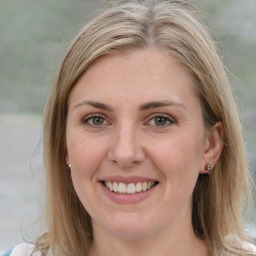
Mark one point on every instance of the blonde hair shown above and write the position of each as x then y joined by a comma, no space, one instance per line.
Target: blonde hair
174,27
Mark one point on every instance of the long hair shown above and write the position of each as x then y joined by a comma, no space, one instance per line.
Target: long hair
174,27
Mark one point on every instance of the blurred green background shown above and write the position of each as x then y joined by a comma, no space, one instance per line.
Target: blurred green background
34,36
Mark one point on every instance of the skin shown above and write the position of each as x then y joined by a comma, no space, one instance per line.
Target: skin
128,140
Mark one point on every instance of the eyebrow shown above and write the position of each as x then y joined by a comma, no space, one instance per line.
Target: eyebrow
94,104
157,104
143,107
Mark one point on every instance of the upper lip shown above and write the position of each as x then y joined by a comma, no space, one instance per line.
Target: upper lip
127,179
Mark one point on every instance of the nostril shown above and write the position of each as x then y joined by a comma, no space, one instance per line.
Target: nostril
125,150
126,158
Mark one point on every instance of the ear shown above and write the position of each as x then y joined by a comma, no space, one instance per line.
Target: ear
213,147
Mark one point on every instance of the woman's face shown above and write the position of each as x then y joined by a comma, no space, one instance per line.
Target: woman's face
136,142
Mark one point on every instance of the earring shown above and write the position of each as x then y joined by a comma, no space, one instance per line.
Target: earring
208,168
69,166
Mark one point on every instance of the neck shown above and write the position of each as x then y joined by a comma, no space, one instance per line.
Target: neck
176,241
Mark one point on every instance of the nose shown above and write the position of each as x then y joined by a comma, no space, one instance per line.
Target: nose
125,150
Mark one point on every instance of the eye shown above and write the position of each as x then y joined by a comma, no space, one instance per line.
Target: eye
160,121
95,120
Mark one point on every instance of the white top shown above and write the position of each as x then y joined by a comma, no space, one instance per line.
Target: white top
25,249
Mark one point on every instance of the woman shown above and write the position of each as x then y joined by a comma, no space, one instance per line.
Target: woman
143,147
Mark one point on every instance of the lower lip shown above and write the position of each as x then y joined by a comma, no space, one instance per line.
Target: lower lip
127,198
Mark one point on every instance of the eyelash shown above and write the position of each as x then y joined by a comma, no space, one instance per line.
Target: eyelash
91,117
150,118
167,118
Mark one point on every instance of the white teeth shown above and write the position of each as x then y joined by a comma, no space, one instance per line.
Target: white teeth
130,188
110,186
138,187
115,187
144,186
122,188
150,185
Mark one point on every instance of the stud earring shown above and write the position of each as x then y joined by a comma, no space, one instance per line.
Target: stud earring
208,168
69,166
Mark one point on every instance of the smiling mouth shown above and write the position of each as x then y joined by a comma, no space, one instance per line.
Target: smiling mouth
130,188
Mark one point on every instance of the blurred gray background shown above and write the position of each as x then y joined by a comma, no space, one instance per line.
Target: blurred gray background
33,38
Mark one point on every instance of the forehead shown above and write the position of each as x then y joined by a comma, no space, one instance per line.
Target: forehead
143,74
151,61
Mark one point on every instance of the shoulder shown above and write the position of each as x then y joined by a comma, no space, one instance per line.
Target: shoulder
249,247
237,242
23,249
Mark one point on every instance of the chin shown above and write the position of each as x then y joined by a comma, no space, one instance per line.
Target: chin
129,227
130,233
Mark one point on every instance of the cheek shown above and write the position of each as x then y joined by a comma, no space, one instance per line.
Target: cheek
178,160
85,154
183,151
